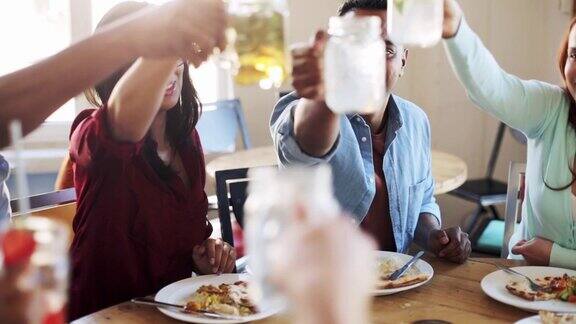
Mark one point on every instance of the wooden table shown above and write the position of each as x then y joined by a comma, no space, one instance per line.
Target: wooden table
453,295
448,170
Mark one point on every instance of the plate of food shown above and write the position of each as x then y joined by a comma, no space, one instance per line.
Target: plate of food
225,295
545,317
558,293
388,262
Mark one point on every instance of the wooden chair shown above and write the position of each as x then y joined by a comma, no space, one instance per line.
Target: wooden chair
514,201
231,190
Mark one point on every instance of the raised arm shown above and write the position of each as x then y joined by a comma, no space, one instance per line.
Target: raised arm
137,98
316,127
524,105
182,28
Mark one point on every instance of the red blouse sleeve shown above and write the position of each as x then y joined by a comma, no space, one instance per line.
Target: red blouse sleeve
91,141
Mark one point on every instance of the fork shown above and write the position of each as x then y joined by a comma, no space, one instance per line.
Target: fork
534,286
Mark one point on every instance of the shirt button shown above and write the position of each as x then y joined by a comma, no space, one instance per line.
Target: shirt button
358,119
364,139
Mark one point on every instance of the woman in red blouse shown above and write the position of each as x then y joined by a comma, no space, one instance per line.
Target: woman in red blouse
139,176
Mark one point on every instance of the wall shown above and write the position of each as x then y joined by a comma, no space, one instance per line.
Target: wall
522,34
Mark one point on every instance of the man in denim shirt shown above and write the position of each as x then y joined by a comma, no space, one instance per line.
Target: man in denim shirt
381,162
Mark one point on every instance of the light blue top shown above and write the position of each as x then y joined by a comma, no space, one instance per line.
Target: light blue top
539,110
406,166
5,210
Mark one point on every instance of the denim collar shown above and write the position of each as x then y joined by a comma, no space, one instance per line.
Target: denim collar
394,120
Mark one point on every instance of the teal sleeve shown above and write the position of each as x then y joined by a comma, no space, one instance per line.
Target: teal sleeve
562,257
529,106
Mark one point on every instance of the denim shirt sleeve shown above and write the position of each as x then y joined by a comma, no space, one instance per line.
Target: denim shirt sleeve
282,131
5,210
429,204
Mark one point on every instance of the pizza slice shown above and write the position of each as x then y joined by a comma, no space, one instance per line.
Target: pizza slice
522,289
404,281
553,318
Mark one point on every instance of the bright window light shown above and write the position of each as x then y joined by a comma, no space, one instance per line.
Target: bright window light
31,31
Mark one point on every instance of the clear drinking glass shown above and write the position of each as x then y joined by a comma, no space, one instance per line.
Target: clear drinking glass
257,51
275,197
415,22
355,65
45,277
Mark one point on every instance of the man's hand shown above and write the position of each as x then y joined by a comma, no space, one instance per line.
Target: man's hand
308,69
536,251
188,29
452,18
451,244
214,256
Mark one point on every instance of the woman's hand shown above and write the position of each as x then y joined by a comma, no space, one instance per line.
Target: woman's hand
452,18
214,256
536,251
183,28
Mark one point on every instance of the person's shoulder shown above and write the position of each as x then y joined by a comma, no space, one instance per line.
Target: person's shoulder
82,118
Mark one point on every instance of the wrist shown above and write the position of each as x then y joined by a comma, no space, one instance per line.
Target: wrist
455,27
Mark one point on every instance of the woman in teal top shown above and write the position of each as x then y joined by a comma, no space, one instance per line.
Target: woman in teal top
546,114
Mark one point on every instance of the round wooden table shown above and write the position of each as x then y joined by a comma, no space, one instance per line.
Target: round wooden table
449,171
453,295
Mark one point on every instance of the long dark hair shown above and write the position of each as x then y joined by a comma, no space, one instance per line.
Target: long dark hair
562,59
180,120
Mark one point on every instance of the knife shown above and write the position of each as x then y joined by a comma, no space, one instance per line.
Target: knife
152,302
398,273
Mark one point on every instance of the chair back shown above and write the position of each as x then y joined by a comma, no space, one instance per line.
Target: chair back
514,201
58,205
232,191
47,200
219,126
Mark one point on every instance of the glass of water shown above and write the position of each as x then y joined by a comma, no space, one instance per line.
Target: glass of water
275,198
37,248
415,22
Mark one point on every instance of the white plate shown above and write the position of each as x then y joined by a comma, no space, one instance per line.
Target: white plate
422,266
178,292
494,285
530,320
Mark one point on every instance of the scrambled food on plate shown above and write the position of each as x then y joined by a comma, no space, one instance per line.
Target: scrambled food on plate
226,299
554,288
553,318
386,268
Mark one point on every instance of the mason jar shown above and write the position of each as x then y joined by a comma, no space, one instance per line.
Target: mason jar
258,36
355,65
275,199
415,22
38,247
